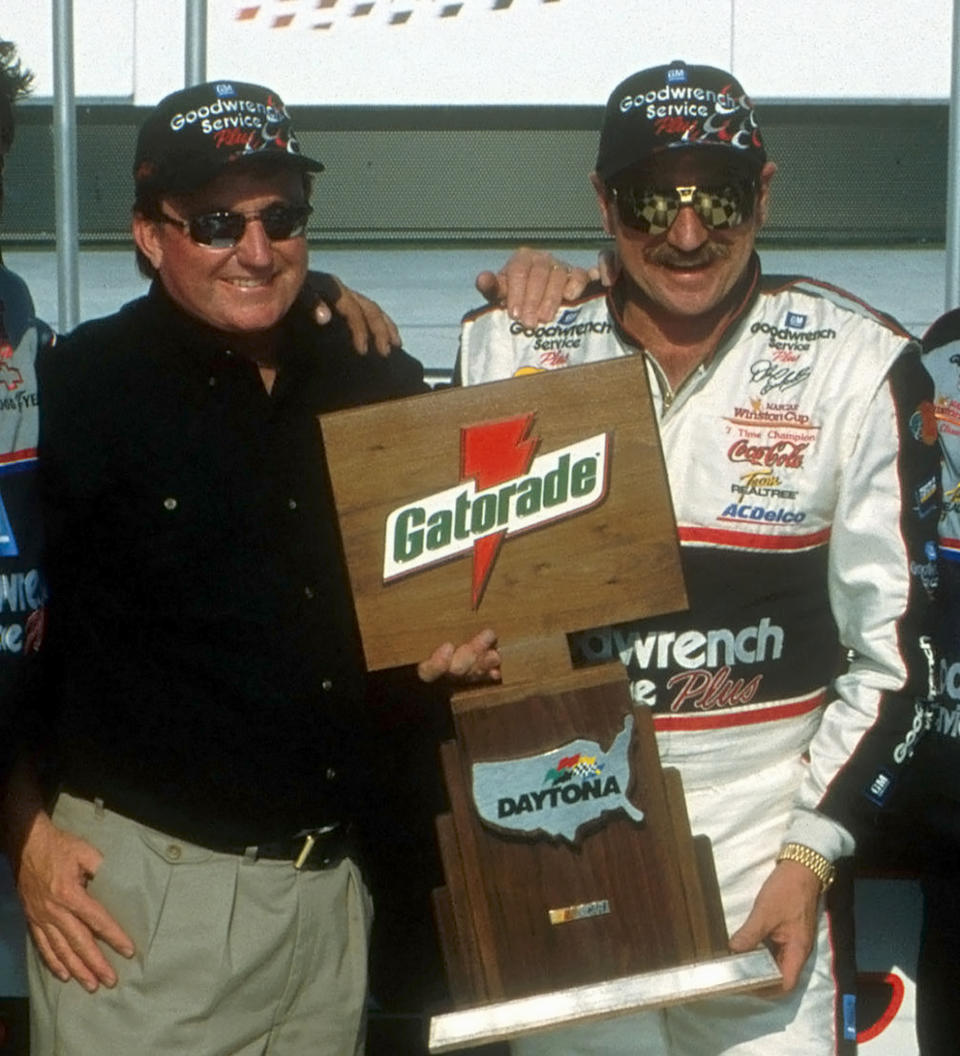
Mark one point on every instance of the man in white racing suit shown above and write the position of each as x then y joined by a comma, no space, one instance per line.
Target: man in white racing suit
800,446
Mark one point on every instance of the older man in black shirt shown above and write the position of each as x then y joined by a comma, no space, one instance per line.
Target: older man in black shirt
202,641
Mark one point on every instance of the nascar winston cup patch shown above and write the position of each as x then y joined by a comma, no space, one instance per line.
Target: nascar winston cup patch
558,792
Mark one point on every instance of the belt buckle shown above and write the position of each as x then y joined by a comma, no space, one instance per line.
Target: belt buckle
310,837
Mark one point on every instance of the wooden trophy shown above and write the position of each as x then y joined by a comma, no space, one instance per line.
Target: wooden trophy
538,506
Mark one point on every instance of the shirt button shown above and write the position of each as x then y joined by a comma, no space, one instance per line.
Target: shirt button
292,503
211,382
169,504
326,685
174,852
331,773
308,592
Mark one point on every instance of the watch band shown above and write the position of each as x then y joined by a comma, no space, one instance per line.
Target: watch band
823,869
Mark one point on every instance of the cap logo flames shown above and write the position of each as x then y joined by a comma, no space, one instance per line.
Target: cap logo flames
504,489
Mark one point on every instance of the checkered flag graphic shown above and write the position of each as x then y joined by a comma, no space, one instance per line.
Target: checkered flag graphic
324,14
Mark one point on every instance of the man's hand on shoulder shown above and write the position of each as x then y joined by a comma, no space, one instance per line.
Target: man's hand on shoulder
533,284
784,915
370,326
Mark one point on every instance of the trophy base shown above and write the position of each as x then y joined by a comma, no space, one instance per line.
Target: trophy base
484,1024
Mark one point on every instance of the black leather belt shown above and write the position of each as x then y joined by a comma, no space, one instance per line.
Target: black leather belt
322,848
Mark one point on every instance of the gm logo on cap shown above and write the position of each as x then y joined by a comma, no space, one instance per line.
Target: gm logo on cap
225,90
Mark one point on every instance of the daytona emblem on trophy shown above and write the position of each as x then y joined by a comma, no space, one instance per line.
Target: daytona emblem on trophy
556,793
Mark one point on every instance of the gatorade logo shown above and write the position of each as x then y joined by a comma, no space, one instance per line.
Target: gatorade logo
503,490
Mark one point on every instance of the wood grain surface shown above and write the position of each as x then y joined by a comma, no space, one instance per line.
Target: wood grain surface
616,561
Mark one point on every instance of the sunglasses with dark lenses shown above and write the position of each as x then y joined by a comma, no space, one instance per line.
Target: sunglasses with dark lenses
654,209
223,230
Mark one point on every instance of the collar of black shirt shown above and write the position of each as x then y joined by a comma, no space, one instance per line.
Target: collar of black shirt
206,344
316,362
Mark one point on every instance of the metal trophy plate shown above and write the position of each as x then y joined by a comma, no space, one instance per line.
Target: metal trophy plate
538,506
581,1004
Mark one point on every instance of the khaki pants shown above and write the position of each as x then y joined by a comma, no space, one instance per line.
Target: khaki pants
234,957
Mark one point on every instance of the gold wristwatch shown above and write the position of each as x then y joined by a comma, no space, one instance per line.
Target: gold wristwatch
824,870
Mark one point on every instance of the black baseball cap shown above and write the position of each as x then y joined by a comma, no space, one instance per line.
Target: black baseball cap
193,134
677,107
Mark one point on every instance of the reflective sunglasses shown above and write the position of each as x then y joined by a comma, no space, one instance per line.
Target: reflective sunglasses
654,209
223,230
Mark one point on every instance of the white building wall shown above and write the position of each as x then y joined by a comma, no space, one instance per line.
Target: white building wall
479,52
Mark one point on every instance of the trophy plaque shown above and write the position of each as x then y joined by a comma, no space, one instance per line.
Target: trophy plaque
538,506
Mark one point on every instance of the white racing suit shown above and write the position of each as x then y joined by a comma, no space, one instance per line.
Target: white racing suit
803,471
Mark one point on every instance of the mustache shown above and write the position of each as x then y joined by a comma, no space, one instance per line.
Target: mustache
670,256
